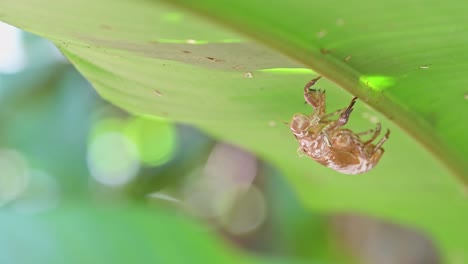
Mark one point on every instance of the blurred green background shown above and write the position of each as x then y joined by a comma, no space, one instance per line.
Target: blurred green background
84,182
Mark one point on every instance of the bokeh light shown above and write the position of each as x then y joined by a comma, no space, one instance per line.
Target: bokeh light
223,190
113,159
41,194
14,176
244,213
229,166
173,17
154,138
377,82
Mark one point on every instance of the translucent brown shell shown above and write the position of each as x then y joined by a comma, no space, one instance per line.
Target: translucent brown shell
324,139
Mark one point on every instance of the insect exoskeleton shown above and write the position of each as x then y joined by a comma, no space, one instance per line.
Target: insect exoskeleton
323,138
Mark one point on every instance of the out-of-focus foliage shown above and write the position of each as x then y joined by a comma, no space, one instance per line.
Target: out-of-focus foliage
83,233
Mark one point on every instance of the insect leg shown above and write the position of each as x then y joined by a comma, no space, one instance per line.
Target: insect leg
382,140
315,98
376,131
367,132
342,120
310,84
333,113
327,139
344,116
300,152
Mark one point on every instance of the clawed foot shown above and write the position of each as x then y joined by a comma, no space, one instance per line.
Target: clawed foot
314,97
344,117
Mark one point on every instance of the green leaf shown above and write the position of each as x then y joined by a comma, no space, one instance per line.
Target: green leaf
80,233
405,59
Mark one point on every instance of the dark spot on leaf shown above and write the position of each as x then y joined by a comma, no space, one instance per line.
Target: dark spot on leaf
214,59
106,27
325,51
157,92
186,51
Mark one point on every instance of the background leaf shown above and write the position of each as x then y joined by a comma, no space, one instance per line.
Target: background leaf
104,236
